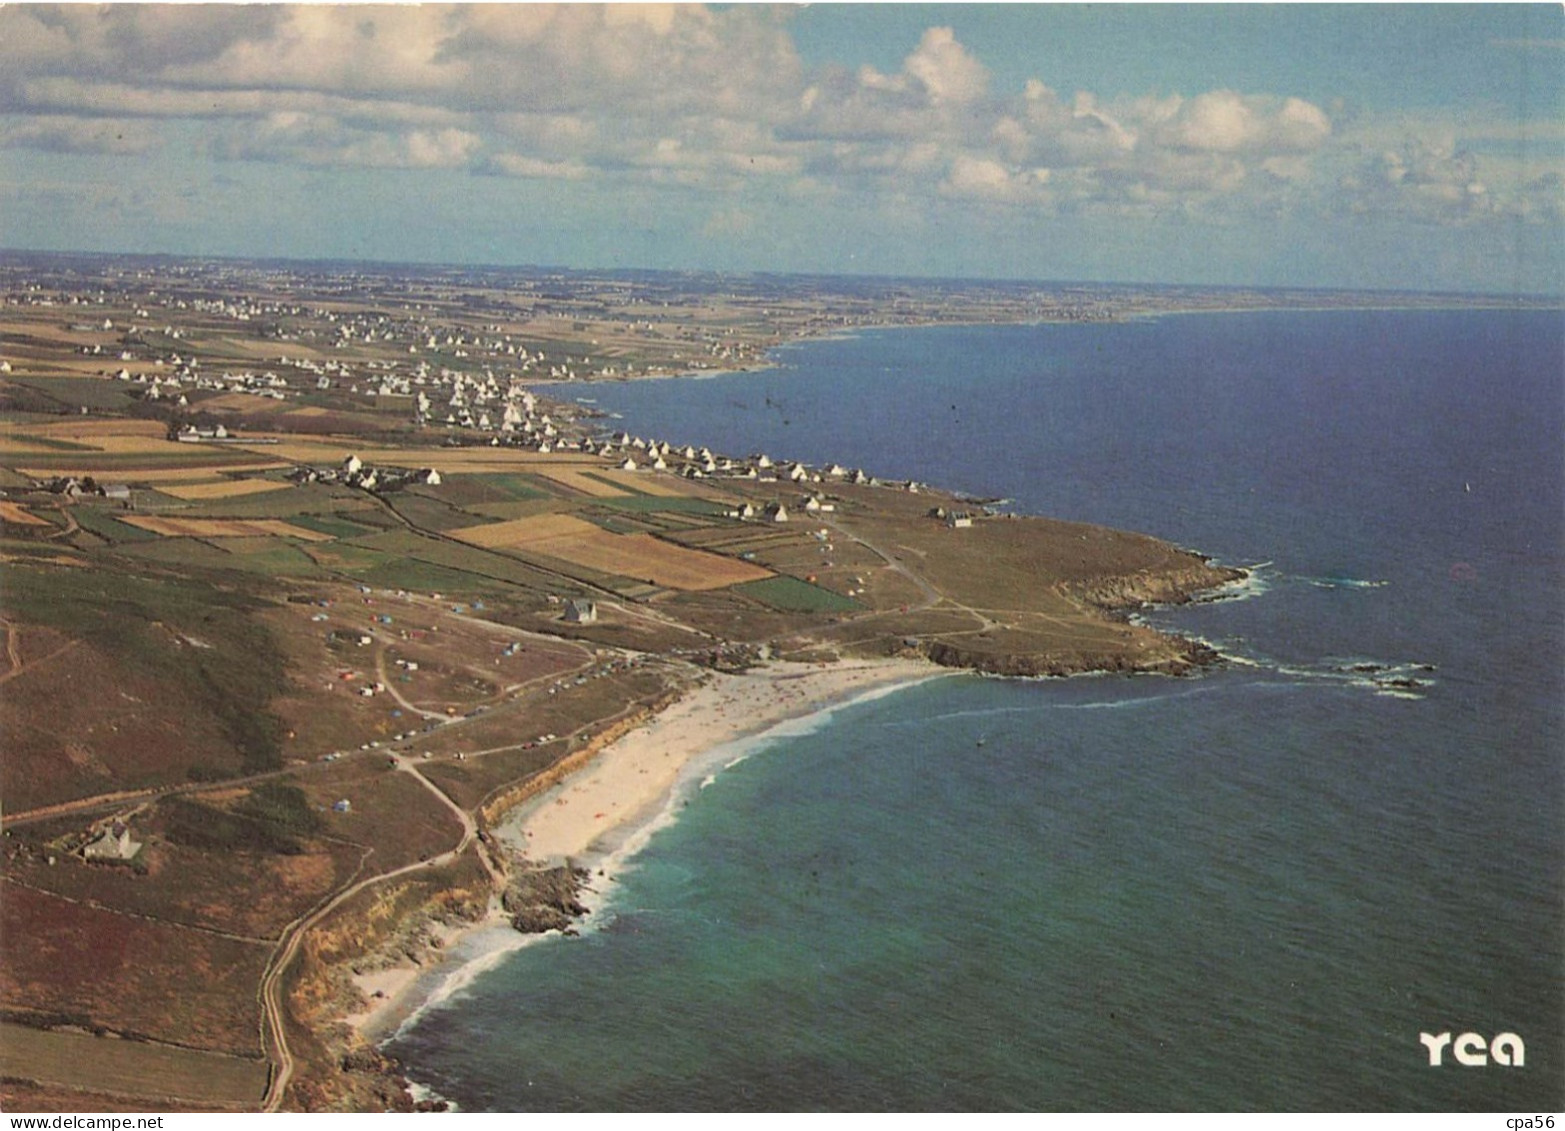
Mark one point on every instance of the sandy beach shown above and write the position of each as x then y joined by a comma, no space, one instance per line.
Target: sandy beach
628,784
633,777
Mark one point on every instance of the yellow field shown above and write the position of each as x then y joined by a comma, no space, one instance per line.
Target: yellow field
222,527
463,459
662,563
322,453
241,402
139,442
147,475
19,515
646,482
21,446
227,489
526,531
89,429
640,556
104,435
578,480
134,445
50,330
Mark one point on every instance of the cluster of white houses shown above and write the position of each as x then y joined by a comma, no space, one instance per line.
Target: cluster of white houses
356,473
635,454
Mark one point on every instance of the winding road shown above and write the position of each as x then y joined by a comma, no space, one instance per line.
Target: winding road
274,1023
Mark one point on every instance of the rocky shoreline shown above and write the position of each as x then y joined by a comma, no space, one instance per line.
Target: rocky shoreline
538,896
541,899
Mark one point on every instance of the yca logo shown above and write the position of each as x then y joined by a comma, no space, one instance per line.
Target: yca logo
1472,1051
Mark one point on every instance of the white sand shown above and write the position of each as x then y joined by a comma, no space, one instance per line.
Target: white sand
633,775
632,778
388,991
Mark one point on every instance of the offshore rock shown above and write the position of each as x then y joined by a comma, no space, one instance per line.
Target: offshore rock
544,899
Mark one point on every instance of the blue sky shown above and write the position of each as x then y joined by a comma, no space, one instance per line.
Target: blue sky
1387,146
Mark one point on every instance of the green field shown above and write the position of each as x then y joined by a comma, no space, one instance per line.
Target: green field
334,525
465,490
454,555
273,556
187,552
94,392
653,503
312,499
21,547
411,573
432,514
106,525
790,595
128,463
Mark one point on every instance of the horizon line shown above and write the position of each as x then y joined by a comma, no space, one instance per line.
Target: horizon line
386,264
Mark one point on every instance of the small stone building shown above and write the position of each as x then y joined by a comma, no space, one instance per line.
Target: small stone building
581,611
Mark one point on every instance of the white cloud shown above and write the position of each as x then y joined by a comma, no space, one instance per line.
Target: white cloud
1223,121
945,69
515,165
718,100
979,178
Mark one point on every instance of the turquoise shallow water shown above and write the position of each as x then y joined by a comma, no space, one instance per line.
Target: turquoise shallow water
1247,890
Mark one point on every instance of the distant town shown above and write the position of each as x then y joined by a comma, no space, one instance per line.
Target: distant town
312,573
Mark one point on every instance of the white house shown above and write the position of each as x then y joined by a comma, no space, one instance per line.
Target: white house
113,843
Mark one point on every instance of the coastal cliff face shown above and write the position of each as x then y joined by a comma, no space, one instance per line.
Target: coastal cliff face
338,1070
1171,656
1176,586
1127,648
502,801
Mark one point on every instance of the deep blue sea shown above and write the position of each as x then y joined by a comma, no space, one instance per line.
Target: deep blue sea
1249,889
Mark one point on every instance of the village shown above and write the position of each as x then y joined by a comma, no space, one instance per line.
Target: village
309,578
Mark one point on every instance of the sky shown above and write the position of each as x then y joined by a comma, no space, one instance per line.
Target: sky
1387,146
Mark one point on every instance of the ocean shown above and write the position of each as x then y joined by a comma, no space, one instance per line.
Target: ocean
1251,889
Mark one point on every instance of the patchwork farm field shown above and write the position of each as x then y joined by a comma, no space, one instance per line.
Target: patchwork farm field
174,527
582,482
641,482
582,543
20,515
789,594
142,469
526,531
224,489
283,700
